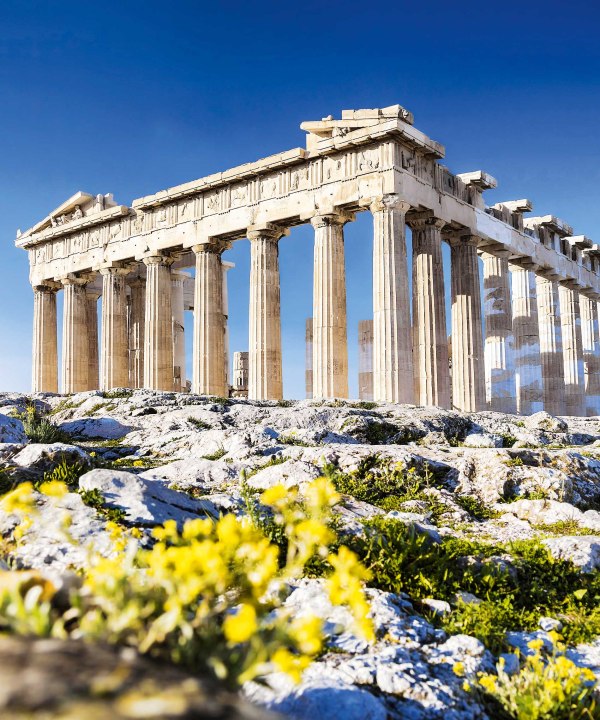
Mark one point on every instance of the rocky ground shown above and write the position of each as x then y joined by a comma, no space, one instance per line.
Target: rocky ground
487,479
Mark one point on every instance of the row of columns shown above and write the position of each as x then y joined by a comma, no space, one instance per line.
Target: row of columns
536,356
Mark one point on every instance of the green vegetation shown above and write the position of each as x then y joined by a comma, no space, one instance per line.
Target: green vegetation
117,393
216,455
291,439
518,583
199,424
476,508
39,429
514,461
95,499
66,473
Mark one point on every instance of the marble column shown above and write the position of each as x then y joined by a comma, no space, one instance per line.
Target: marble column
392,341
430,340
365,360
497,306
226,266
551,349
330,339
177,283
93,380
75,348
114,347
45,353
308,359
528,363
468,375
158,324
265,379
590,337
570,321
137,319
208,364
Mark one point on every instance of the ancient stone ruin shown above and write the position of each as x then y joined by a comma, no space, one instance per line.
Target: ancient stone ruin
539,350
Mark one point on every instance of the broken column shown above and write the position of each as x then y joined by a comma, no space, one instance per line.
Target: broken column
365,359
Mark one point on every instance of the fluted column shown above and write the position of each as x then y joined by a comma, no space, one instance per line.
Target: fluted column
430,340
226,266
499,362
570,320
528,364
177,283
93,375
114,365
468,376
590,337
330,339
75,348
265,380
392,342
365,360
137,320
209,365
308,361
551,348
44,376
158,327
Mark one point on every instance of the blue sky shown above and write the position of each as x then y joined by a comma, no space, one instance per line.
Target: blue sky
130,97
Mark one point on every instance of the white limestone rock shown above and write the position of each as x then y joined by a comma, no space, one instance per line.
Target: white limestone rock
145,502
11,430
546,422
542,512
483,440
8,450
105,428
195,473
291,473
42,457
582,550
45,544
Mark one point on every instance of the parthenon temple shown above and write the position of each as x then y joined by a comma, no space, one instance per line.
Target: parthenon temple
530,343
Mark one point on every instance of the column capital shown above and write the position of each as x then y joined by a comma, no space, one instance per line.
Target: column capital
388,202
211,246
113,270
48,286
266,230
72,279
461,239
158,259
420,221
330,218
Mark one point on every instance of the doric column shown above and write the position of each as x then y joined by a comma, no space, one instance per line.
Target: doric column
75,347
45,355
590,337
551,350
158,326
114,365
365,360
430,341
392,342
93,375
308,357
330,339
137,320
265,380
226,266
528,365
468,375
497,306
209,365
570,321
177,283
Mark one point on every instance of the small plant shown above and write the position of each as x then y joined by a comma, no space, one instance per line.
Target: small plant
365,405
547,687
508,440
64,473
285,403
475,507
220,400
293,440
95,499
199,424
41,430
216,455
513,462
117,393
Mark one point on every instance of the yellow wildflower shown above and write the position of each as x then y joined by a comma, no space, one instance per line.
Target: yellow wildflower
307,632
19,500
458,669
488,682
54,488
321,494
292,665
536,644
274,495
242,625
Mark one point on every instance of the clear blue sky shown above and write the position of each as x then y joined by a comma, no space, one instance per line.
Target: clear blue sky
130,97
